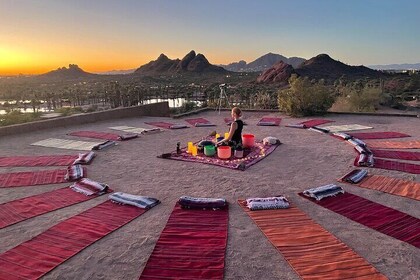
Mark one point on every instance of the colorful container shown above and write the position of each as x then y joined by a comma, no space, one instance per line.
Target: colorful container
248,140
224,152
209,150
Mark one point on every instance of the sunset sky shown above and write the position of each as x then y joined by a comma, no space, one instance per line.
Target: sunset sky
37,36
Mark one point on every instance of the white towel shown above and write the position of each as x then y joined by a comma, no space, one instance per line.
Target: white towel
143,202
265,203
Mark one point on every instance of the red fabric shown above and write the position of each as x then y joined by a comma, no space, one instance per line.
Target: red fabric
197,120
191,246
53,160
25,208
34,258
161,124
378,135
32,178
415,156
97,135
374,215
396,165
268,119
311,123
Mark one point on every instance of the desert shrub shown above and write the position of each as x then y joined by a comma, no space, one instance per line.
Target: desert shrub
364,97
305,98
16,117
265,100
92,108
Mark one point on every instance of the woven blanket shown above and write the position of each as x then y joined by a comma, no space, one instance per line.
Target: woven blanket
346,127
355,176
396,165
189,202
394,186
51,160
342,135
321,192
89,187
266,203
137,130
251,157
143,202
104,135
378,135
365,160
375,216
319,129
68,144
75,172
167,125
104,145
403,155
192,246
309,123
376,144
199,122
269,121
32,178
356,142
312,251
85,158
19,210
35,257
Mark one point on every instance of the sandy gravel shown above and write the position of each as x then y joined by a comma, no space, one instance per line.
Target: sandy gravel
306,159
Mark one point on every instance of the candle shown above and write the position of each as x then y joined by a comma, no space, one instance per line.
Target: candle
189,147
194,150
226,135
217,135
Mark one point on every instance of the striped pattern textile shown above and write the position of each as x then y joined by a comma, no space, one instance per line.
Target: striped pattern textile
414,144
269,121
191,246
34,258
67,144
391,185
378,135
16,211
345,127
309,123
376,216
311,250
402,155
32,178
52,160
397,165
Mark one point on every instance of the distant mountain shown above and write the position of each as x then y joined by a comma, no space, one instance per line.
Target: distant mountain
319,67
116,72
191,63
73,72
263,63
405,66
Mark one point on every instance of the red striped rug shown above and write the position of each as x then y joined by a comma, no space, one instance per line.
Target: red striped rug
377,144
53,160
16,211
397,165
36,257
375,216
311,250
32,178
191,246
378,135
403,155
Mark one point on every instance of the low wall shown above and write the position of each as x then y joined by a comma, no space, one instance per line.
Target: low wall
160,109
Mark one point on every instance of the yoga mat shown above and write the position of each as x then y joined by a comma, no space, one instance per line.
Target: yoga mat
346,127
191,246
378,135
403,155
309,123
375,216
414,144
396,165
137,130
199,122
102,135
311,251
390,185
251,157
15,211
34,258
167,125
67,144
33,178
268,121
53,160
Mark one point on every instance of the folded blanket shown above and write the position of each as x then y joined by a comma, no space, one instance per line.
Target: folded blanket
178,126
89,187
143,202
127,136
151,130
323,191
355,176
342,135
299,125
355,142
203,124
74,173
85,158
319,129
365,160
201,202
104,145
266,203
